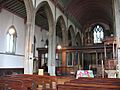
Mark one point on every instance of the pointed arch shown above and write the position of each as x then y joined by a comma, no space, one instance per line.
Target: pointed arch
61,30
78,39
71,36
44,5
29,10
49,15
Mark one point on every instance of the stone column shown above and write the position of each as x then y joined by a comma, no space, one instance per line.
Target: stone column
52,51
28,62
116,9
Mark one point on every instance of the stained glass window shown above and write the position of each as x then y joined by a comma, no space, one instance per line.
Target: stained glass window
98,34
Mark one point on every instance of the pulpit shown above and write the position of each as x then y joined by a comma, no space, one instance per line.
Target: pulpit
110,52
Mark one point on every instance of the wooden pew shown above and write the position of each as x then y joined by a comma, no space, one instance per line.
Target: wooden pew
94,83
75,87
11,84
28,84
2,86
99,80
62,79
45,82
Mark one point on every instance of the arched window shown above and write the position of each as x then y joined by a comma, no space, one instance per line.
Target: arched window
11,40
98,34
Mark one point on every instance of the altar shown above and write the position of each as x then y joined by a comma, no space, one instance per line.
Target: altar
84,73
112,73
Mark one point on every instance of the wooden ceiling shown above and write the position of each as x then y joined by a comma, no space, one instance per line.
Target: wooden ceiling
82,11
18,7
15,6
85,11
89,10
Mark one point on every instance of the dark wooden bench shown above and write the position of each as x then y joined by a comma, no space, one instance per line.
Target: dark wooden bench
94,85
46,82
40,82
113,81
11,85
91,84
77,87
99,81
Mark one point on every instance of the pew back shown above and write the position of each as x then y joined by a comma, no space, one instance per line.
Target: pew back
35,81
91,84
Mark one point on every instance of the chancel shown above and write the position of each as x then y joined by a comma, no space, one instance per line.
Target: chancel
77,40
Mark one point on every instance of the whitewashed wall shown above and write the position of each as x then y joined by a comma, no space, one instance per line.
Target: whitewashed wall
14,61
6,17
11,61
38,35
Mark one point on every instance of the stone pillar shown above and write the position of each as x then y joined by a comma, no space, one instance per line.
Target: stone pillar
52,51
116,9
28,62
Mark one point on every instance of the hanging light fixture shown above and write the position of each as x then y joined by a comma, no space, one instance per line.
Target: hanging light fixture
59,46
42,40
12,29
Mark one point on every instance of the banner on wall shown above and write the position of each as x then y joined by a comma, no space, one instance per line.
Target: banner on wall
84,73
